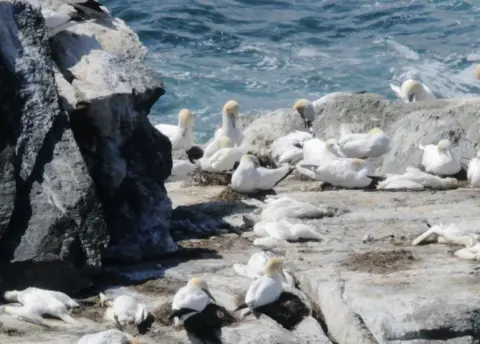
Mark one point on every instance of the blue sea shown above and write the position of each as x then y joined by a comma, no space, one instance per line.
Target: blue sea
266,53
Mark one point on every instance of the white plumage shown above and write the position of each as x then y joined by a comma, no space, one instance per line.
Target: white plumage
448,234
225,157
439,159
181,135
414,177
363,145
473,173
250,177
36,302
286,149
286,230
57,22
412,91
195,296
125,310
317,152
231,109
343,172
285,207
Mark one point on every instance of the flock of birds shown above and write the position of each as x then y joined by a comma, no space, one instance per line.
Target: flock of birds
341,162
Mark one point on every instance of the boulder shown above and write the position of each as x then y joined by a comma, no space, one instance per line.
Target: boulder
82,169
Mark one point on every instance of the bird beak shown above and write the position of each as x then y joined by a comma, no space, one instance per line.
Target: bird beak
209,295
411,97
283,275
234,122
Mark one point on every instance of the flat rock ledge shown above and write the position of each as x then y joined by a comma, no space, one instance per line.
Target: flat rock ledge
382,290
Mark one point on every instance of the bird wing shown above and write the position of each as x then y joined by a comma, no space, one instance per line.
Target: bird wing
167,129
429,92
221,160
397,90
345,130
182,168
472,167
266,179
302,231
358,147
53,19
190,298
279,230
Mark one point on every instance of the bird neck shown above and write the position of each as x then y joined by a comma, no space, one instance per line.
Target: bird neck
228,124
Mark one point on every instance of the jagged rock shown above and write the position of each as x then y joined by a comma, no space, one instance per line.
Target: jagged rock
55,221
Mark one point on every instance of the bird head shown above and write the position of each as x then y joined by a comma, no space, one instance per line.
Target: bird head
443,145
200,283
11,295
273,267
305,108
231,108
250,159
375,131
411,88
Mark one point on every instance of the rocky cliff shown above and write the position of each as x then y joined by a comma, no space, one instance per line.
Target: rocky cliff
82,168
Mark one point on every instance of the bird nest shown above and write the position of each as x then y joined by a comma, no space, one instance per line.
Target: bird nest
228,194
288,310
202,178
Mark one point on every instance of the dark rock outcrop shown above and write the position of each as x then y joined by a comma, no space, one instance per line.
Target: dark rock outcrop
76,187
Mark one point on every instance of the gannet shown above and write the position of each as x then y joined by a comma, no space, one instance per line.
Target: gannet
57,22
113,336
448,234
360,145
469,253
267,288
473,173
191,299
124,310
316,151
439,159
288,148
181,170
343,172
249,177
225,157
181,136
413,91
306,110
284,207
256,266
89,6
231,109
414,179
36,302
286,230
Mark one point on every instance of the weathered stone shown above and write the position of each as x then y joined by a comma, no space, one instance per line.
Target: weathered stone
55,222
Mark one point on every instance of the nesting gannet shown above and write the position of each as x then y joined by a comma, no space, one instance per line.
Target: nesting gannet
343,172
113,336
57,22
231,109
306,110
286,230
448,234
256,266
473,173
249,177
413,91
469,253
288,148
225,157
89,6
36,302
439,159
191,299
414,179
360,145
265,289
316,151
284,207
181,135
181,170
124,310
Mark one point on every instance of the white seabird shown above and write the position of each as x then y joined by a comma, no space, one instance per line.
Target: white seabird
36,302
306,110
448,234
57,22
255,268
250,177
191,299
286,230
181,136
413,91
439,159
231,109
343,172
266,289
363,145
181,170
225,157
414,179
124,310
316,151
469,253
473,173
285,207
288,148
112,336
89,6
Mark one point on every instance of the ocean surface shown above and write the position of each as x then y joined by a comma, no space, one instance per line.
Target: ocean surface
266,54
